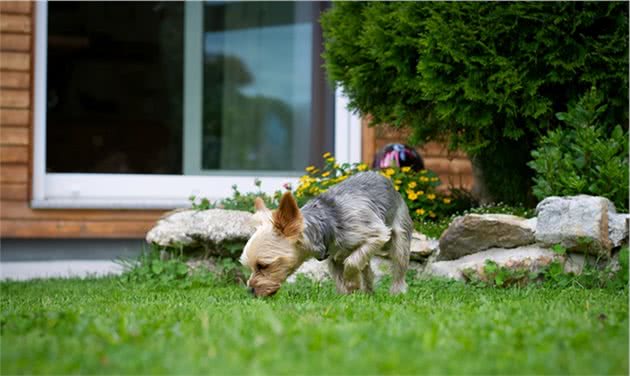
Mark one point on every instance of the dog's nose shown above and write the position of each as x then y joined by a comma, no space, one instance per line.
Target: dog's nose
251,290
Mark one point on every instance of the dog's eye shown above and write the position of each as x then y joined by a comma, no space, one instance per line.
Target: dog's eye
260,266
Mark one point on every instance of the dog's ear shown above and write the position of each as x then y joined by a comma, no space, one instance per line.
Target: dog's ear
259,204
262,214
288,219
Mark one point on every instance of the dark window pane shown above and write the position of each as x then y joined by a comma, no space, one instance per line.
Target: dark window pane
115,87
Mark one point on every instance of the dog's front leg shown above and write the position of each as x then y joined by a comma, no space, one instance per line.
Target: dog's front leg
336,271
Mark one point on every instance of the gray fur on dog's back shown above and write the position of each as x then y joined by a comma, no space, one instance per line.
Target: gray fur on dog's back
364,205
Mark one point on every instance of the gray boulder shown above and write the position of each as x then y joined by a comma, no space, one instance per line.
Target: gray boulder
217,231
477,232
579,223
531,258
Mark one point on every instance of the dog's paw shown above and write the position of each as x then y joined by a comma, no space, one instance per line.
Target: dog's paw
398,288
352,285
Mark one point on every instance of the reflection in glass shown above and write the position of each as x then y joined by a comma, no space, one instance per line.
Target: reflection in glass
258,86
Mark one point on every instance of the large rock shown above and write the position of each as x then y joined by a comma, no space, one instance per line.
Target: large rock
477,232
579,223
618,228
531,258
219,232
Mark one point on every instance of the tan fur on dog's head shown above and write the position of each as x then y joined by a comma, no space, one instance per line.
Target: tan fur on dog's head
271,253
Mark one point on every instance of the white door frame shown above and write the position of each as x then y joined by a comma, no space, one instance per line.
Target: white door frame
144,191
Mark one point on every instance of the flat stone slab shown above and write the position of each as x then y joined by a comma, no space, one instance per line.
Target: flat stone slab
477,232
529,257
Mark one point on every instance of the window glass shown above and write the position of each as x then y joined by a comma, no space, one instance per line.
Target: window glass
116,84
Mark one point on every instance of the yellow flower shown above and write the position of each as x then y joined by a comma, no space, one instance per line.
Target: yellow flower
423,171
412,184
424,179
447,200
431,196
431,214
336,165
330,160
305,185
309,168
384,174
398,181
298,194
420,193
397,187
434,179
315,171
405,169
342,178
419,211
362,167
390,172
326,155
325,174
412,195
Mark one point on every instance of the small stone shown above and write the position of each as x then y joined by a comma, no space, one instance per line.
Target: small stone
477,232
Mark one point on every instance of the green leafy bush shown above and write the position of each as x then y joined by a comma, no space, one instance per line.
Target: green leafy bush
485,76
238,200
583,157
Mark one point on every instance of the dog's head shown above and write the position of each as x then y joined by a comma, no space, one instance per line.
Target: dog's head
272,253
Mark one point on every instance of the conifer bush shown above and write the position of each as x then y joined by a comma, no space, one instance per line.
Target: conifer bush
486,77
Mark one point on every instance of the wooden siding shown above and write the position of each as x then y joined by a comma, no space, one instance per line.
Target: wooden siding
453,168
17,219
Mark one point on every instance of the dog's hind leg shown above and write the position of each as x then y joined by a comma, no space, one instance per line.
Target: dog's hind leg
400,250
359,260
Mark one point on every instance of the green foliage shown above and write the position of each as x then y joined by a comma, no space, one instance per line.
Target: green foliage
486,76
165,268
238,200
107,326
596,274
583,157
417,188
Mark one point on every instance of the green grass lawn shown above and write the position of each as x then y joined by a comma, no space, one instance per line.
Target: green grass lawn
109,326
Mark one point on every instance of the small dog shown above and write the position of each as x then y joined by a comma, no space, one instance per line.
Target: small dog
347,225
